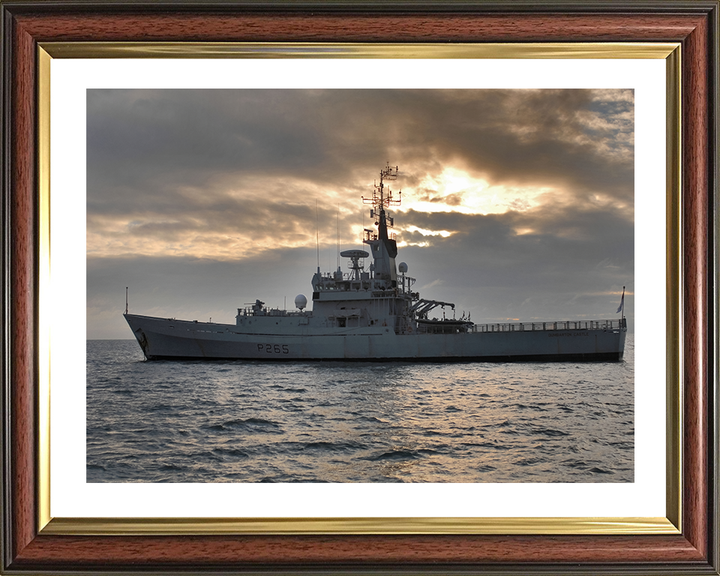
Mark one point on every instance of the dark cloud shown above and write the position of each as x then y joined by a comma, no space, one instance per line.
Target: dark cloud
486,267
174,139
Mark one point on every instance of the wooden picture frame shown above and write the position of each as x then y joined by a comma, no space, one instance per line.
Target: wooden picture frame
29,549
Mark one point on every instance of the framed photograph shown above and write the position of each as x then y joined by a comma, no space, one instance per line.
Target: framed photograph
86,89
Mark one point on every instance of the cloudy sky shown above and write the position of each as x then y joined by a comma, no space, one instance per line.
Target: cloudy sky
516,204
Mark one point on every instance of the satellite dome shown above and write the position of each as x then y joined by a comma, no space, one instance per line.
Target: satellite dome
300,301
402,267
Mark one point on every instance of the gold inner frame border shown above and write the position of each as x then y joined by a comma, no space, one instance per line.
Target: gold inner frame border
671,524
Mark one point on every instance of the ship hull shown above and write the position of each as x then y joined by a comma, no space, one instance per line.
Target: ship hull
162,338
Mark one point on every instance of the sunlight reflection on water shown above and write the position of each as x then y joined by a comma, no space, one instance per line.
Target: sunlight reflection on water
356,422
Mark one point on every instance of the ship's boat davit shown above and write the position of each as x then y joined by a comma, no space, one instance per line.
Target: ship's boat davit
374,315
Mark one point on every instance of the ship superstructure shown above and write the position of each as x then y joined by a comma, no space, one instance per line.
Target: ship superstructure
371,315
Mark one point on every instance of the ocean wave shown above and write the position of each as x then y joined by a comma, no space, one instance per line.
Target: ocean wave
404,422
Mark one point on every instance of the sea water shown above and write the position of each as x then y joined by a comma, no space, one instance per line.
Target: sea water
241,421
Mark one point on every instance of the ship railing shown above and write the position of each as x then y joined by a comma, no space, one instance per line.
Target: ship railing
270,312
563,325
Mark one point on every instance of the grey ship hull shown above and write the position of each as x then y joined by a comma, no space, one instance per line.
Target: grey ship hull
162,338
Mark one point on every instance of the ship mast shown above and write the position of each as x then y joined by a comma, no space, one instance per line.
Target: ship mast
384,248
383,198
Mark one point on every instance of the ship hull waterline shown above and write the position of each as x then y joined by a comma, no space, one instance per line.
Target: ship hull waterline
170,339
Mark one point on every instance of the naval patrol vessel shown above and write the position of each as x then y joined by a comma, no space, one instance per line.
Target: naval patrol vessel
374,315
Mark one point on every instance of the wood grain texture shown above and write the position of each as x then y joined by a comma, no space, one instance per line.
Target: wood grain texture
688,552
216,552
696,205
357,28
22,294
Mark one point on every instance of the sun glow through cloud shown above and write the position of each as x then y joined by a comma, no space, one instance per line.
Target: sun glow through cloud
424,232
454,190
